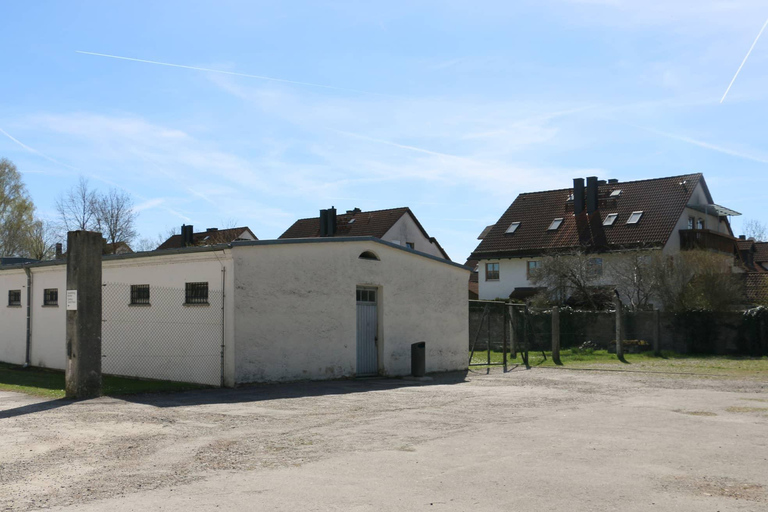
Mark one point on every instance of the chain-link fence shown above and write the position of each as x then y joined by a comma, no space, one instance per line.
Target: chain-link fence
162,333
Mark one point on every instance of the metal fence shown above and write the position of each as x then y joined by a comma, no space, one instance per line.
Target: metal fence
160,334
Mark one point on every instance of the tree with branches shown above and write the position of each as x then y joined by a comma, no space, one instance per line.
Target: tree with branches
634,276
115,216
83,208
697,280
16,211
756,229
569,275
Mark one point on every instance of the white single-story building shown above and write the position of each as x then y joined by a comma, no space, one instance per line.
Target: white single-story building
260,311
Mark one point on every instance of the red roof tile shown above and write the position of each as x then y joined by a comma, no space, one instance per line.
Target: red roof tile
218,236
661,200
374,223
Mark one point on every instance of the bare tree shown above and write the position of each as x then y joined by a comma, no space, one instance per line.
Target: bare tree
574,274
634,276
115,216
77,208
697,280
16,210
756,229
150,244
41,241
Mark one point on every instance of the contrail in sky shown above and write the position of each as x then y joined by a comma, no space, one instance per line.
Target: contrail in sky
745,60
233,73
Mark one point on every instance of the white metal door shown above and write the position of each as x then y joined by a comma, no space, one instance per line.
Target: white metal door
367,330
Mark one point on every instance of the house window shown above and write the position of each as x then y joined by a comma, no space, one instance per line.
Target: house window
700,224
14,297
691,222
196,293
610,219
513,227
531,267
491,271
555,224
616,193
595,266
409,245
634,218
51,297
139,294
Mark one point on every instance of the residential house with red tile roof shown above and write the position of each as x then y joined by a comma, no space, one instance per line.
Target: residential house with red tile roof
754,258
603,218
396,225
211,236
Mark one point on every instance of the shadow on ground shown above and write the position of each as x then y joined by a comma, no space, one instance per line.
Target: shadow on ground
281,391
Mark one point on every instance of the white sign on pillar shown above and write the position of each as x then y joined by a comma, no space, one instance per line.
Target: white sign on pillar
71,300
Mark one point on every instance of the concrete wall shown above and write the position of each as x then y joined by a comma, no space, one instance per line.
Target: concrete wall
13,319
295,314
406,230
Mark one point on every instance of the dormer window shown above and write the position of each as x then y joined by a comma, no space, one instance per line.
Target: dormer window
555,224
610,219
634,218
513,227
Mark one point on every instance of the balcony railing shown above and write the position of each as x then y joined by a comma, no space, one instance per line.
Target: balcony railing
706,239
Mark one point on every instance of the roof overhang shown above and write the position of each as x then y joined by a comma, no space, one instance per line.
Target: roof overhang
708,209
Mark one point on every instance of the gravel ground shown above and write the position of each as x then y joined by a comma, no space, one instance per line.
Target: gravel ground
544,439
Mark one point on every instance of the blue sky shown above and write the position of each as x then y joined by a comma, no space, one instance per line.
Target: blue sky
451,108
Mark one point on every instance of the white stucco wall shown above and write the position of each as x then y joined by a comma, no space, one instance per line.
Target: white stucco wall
406,230
513,274
296,318
143,348
48,344
712,222
13,319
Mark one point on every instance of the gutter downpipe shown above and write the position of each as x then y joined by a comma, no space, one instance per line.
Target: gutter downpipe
28,271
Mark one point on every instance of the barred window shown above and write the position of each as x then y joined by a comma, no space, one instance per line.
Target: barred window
196,293
14,297
139,294
51,297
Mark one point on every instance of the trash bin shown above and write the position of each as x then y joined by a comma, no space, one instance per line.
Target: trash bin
418,359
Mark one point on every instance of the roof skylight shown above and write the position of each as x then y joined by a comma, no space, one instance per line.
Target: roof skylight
555,224
610,219
616,193
513,227
634,218
351,221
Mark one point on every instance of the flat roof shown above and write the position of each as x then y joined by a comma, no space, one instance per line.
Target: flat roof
245,243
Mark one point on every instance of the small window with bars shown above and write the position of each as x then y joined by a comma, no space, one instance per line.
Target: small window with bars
51,297
14,297
139,294
196,293
366,295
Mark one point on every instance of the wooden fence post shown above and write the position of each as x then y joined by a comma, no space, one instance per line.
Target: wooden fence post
619,345
556,335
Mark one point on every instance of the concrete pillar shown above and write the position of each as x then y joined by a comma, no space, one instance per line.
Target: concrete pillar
619,345
83,298
556,335
656,333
